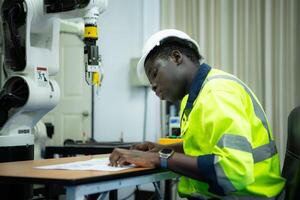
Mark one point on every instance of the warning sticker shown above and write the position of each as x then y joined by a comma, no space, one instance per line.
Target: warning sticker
42,76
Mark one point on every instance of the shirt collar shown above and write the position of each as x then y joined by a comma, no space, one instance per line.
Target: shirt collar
197,83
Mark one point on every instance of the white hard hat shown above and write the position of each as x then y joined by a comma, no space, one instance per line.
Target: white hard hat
154,41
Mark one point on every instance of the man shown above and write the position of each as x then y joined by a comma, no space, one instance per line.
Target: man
228,149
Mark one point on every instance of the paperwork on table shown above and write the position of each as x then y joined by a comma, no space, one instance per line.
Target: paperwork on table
99,164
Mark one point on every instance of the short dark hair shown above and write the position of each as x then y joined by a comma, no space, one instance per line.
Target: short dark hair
169,44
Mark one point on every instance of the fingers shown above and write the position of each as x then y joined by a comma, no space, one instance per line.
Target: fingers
114,157
119,157
123,161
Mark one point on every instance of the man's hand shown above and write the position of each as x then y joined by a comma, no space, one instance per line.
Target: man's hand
120,157
148,146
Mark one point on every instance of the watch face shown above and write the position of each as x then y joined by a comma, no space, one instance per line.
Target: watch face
166,151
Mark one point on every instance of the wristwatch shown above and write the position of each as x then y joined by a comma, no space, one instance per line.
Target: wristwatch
164,155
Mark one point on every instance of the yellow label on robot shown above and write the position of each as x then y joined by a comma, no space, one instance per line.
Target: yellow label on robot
96,78
91,32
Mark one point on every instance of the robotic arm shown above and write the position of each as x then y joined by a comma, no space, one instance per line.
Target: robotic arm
31,57
90,12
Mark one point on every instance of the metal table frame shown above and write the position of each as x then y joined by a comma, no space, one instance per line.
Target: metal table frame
78,192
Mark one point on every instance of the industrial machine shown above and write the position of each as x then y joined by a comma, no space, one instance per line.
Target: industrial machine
30,33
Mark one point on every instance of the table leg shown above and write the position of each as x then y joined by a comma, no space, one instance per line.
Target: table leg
113,195
72,195
157,190
168,189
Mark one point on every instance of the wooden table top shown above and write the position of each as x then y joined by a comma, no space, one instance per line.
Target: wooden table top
25,172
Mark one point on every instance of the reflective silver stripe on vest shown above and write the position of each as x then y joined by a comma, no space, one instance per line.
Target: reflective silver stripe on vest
265,151
241,143
257,108
223,180
228,187
235,142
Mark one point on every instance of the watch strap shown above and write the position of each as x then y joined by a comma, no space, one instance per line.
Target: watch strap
164,163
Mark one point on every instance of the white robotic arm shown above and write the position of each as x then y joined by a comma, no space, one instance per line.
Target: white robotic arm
31,57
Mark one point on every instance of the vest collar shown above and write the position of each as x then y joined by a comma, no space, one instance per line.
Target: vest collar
197,83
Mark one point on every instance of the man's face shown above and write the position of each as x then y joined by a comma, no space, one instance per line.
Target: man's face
165,78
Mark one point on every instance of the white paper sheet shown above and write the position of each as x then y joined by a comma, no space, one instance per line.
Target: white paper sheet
99,164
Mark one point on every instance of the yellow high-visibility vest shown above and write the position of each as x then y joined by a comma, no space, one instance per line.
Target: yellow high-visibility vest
228,130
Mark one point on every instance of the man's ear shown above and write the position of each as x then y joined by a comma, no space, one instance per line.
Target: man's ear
176,57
